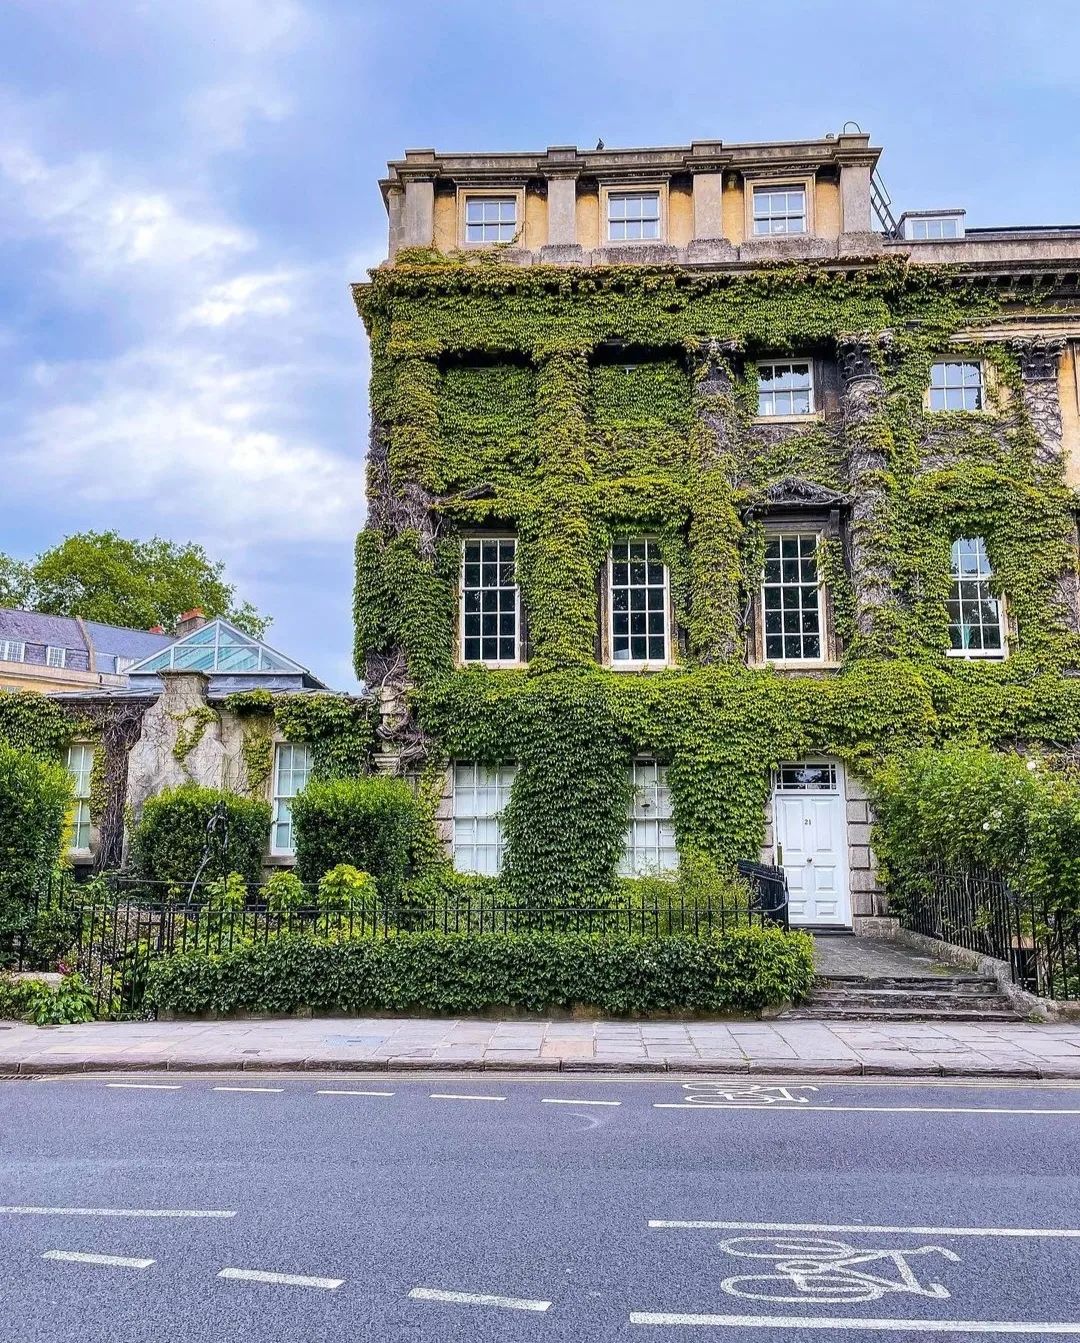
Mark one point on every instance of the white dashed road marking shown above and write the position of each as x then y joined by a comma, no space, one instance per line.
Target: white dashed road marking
275,1090
145,1086
477,1299
354,1093
280,1279
450,1096
107,1260
807,1323
1023,1232
114,1212
562,1100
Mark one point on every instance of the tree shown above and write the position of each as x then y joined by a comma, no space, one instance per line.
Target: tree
103,576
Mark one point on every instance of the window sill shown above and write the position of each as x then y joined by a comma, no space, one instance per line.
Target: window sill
638,666
813,417
968,655
280,860
800,664
493,666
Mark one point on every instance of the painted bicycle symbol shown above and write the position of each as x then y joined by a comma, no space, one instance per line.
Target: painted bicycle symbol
756,1093
828,1272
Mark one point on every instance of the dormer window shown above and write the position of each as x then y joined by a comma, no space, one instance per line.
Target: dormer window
633,216
932,226
779,209
490,219
926,229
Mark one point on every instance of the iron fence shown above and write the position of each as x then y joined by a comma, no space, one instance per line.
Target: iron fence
980,911
111,930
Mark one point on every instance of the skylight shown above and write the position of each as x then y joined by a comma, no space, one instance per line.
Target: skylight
218,648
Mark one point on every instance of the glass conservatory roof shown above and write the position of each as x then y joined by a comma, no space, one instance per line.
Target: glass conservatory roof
217,648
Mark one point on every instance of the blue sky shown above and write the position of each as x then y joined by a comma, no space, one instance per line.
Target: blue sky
188,186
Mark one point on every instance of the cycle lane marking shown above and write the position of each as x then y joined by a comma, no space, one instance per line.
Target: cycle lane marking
280,1279
807,1323
1048,1233
14,1211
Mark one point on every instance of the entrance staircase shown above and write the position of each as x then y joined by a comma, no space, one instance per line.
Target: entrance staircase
862,980
948,997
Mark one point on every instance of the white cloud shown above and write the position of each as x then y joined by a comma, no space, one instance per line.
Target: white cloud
244,296
185,437
108,226
222,115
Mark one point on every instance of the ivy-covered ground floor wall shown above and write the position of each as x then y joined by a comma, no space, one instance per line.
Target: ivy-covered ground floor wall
750,760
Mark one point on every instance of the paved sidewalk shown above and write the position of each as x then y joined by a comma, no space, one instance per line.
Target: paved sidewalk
909,1049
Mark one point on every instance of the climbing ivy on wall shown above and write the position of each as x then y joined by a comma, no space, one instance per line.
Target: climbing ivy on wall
31,722
571,406
338,729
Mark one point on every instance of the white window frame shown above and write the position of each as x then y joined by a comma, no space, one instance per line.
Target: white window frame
960,386
468,780
956,579
281,803
791,365
638,664
628,193
921,228
766,188
649,847
50,660
780,535
12,650
83,751
617,190
515,661
516,194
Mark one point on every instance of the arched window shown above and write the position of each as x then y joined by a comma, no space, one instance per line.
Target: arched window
976,619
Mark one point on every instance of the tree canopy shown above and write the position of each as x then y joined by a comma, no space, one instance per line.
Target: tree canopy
106,577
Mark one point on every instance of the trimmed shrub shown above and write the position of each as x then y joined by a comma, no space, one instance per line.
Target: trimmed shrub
35,796
451,973
175,829
970,807
375,824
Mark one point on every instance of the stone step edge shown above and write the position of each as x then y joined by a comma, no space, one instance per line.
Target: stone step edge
720,1067
943,983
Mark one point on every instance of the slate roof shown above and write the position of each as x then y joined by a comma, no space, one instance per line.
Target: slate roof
116,641
39,632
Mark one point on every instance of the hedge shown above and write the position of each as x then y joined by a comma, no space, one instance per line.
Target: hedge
458,973
969,807
374,824
35,796
171,836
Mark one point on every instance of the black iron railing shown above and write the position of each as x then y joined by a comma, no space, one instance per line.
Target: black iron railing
111,930
980,911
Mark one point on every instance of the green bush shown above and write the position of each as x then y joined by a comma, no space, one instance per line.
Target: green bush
969,807
174,830
433,972
34,1000
377,825
35,796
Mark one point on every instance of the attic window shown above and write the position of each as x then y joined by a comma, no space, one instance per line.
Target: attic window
490,219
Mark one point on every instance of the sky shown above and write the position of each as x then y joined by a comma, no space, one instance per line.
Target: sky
187,188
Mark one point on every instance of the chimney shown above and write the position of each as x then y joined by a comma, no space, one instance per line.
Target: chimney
190,621
156,629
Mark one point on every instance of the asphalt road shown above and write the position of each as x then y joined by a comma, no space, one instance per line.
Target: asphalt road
532,1211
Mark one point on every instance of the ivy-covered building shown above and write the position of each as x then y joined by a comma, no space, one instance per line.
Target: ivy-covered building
698,486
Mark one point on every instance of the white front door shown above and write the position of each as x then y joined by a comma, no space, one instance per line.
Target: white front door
811,842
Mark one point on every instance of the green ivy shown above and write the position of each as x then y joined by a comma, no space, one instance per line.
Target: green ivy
574,405
31,722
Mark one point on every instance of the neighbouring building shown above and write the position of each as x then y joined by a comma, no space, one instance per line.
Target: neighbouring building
698,486
208,706
40,652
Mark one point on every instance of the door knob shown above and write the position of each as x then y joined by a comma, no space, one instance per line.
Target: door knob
809,860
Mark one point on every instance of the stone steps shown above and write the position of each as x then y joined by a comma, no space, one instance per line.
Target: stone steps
904,998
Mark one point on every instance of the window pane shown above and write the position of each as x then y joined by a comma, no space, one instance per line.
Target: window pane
637,595
791,598
650,836
489,601
480,795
